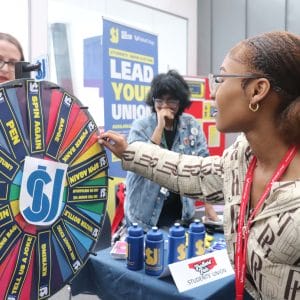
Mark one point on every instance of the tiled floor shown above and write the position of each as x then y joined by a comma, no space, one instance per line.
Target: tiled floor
64,294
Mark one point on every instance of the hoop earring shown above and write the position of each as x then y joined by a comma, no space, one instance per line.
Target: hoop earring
254,108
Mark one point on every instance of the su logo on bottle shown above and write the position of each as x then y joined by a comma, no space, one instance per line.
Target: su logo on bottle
41,195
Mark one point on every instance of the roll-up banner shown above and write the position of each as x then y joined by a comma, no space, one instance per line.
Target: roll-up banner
129,65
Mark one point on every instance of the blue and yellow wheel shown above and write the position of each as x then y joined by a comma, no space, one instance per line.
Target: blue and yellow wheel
53,188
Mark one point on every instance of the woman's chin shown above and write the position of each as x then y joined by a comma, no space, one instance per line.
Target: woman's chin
221,127
218,124
221,130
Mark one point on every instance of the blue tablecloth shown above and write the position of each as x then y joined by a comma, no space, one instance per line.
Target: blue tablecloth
110,279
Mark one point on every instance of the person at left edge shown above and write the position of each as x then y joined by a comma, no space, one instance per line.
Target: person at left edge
10,52
147,203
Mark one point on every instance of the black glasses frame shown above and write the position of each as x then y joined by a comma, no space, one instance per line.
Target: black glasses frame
214,81
11,64
171,102
250,76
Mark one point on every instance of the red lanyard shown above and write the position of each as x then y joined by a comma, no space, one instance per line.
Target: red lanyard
244,226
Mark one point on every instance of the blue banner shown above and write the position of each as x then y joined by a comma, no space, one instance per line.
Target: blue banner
129,65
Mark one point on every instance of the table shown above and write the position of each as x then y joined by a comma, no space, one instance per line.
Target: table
110,279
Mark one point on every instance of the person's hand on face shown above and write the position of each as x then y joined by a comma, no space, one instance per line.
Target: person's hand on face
166,108
164,114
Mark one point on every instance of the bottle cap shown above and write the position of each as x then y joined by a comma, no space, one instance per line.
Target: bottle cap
177,230
154,234
135,230
197,226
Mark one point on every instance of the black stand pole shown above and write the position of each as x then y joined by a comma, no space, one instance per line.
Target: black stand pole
23,69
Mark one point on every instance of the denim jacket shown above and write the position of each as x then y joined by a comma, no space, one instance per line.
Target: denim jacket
144,199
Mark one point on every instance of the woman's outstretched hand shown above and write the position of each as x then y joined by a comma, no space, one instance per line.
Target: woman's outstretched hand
114,141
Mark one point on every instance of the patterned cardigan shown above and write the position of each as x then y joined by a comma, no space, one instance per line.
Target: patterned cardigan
273,254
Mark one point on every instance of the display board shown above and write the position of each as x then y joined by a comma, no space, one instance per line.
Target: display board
129,64
203,109
53,188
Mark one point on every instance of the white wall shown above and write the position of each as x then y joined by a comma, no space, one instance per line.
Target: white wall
187,9
30,25
84,19
174,21
14,20
38,28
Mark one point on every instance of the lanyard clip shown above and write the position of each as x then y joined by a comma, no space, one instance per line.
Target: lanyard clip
244,231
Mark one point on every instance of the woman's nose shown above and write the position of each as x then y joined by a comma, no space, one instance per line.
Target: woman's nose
5,68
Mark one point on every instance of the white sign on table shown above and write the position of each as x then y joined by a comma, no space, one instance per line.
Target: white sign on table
196,271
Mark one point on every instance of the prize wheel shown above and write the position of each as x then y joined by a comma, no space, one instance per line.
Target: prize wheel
53,188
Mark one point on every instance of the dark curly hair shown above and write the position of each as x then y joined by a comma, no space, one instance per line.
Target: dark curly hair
276,56
173,84
9,38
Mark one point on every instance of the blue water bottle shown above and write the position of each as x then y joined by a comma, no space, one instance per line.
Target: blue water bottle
154,252
176,244
135,247
196,245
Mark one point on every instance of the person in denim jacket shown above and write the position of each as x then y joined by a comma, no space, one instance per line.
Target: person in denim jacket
148,203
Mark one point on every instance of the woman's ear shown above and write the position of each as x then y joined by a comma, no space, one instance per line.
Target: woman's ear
260,89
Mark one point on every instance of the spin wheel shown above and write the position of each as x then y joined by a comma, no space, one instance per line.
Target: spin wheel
53,188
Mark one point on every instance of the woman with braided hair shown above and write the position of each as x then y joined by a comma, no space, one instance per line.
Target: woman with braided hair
257,93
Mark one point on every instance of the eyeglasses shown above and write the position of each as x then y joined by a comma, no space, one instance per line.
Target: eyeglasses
216,79
170,102
11,65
